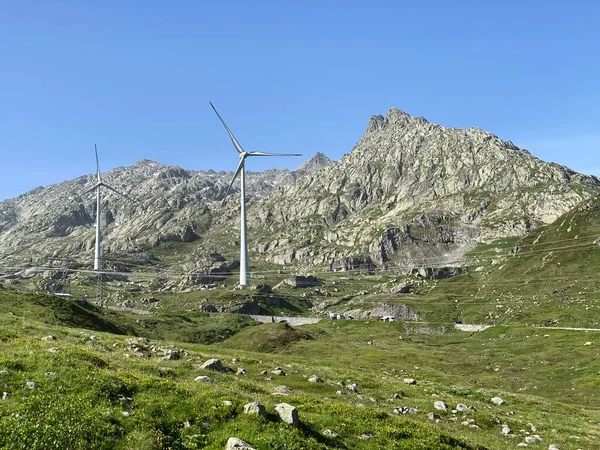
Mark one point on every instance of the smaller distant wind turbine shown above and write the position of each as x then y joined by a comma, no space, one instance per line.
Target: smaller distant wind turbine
97,186
244,275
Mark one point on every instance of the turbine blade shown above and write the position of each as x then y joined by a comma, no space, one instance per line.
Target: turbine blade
236,144
240,167
93,188
110,188
97,163
272,154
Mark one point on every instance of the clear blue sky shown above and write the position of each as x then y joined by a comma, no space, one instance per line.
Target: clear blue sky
136,77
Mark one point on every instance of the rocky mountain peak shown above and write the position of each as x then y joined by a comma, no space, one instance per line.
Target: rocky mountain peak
393,117
318,161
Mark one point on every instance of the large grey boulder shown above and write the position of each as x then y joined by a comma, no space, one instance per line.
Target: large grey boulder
288,413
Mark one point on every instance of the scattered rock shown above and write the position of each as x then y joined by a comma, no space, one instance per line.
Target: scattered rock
497,401
288,413
462,408
405,410
522,444
283,389
352,388
255,408
505,430
315,379
204,379
241,371
533,439
440,406
279,372
213,364
48,338
330,433
227,402
410,381
4,373
365,436
588,343
31,385
51,374
5,395
553,447
54,349
237,444
125,413
433,416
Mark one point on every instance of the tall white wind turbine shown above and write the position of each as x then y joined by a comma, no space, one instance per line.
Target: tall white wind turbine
97,186
244,273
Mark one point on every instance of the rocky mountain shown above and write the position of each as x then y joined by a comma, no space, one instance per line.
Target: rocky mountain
409,194
170,204
412,193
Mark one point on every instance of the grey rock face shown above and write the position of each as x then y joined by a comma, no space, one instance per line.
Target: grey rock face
409,192
413,191
172,204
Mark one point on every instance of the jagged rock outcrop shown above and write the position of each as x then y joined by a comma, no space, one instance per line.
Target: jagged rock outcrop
171,204
412,193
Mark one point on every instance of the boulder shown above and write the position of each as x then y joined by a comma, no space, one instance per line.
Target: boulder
255,408
300,281
204,379
213,364
497,401
315,379
288,413
533,439
440,406
410,381
237,444
283,389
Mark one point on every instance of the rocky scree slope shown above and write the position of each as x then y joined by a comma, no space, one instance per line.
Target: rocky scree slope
412,193
171,204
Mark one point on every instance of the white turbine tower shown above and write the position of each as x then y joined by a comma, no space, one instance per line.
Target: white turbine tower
97,186
244,275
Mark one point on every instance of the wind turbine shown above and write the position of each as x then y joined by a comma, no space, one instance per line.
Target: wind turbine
244,275
97,186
